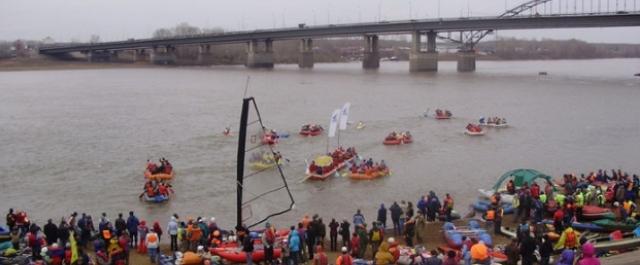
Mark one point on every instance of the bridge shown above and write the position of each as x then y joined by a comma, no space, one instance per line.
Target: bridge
470,31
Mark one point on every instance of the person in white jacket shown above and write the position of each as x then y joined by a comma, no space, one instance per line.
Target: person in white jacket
153,243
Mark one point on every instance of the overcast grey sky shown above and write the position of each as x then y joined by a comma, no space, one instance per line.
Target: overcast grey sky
65,20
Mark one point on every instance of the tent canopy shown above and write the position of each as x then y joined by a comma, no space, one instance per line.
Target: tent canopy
520,176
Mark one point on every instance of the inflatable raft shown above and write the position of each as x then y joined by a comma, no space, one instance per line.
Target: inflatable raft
593,212
236,255
369,175
482,206
159,176
155,199
472,133
307,131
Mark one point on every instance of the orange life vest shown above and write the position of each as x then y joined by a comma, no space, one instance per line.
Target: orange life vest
491,215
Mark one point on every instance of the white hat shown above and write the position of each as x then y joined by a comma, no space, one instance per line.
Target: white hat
391,240
344,249
213,219
616,204
200,248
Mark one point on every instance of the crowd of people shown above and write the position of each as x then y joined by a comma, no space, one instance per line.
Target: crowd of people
563,206
75,236
71,239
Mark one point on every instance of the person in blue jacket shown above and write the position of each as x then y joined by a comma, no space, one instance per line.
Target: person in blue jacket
294,246
132,227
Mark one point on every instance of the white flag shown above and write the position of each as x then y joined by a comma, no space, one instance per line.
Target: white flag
344,116
333,124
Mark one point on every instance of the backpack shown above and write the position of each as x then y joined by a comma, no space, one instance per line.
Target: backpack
570,241
375,235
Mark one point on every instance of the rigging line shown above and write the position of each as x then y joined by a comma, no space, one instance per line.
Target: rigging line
253,174
263,194
255,195
253,148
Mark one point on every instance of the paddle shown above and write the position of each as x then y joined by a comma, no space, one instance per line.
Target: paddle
306,172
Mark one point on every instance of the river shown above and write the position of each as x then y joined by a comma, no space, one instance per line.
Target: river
77,140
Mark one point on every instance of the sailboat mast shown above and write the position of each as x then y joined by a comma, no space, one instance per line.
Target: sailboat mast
242,137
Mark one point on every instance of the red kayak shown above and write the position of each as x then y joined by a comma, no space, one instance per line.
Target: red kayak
236,255
594,212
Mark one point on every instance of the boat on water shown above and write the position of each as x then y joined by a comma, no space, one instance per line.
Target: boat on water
398,138
159,176
264,160
369,175
360,125
322,167
495,122
443,114
311,130
474,130
155,199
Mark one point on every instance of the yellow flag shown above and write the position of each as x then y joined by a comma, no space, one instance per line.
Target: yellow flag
74,248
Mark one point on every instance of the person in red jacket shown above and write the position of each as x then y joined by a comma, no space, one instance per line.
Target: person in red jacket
320,258
355,245
558,217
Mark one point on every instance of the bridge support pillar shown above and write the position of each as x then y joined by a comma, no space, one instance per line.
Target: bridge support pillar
306,54
205,56
163,55
423,61
100,56
467,60
139,55
257,58
371,56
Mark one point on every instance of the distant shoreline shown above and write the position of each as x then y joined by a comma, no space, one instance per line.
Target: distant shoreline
40,64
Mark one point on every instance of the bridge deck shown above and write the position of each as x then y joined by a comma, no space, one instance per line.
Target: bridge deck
623,19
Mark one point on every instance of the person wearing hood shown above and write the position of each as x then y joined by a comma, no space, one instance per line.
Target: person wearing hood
142,235
172,230
383,256
588,255
294,246
382,216
396,212
566,258
158,230
132,227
